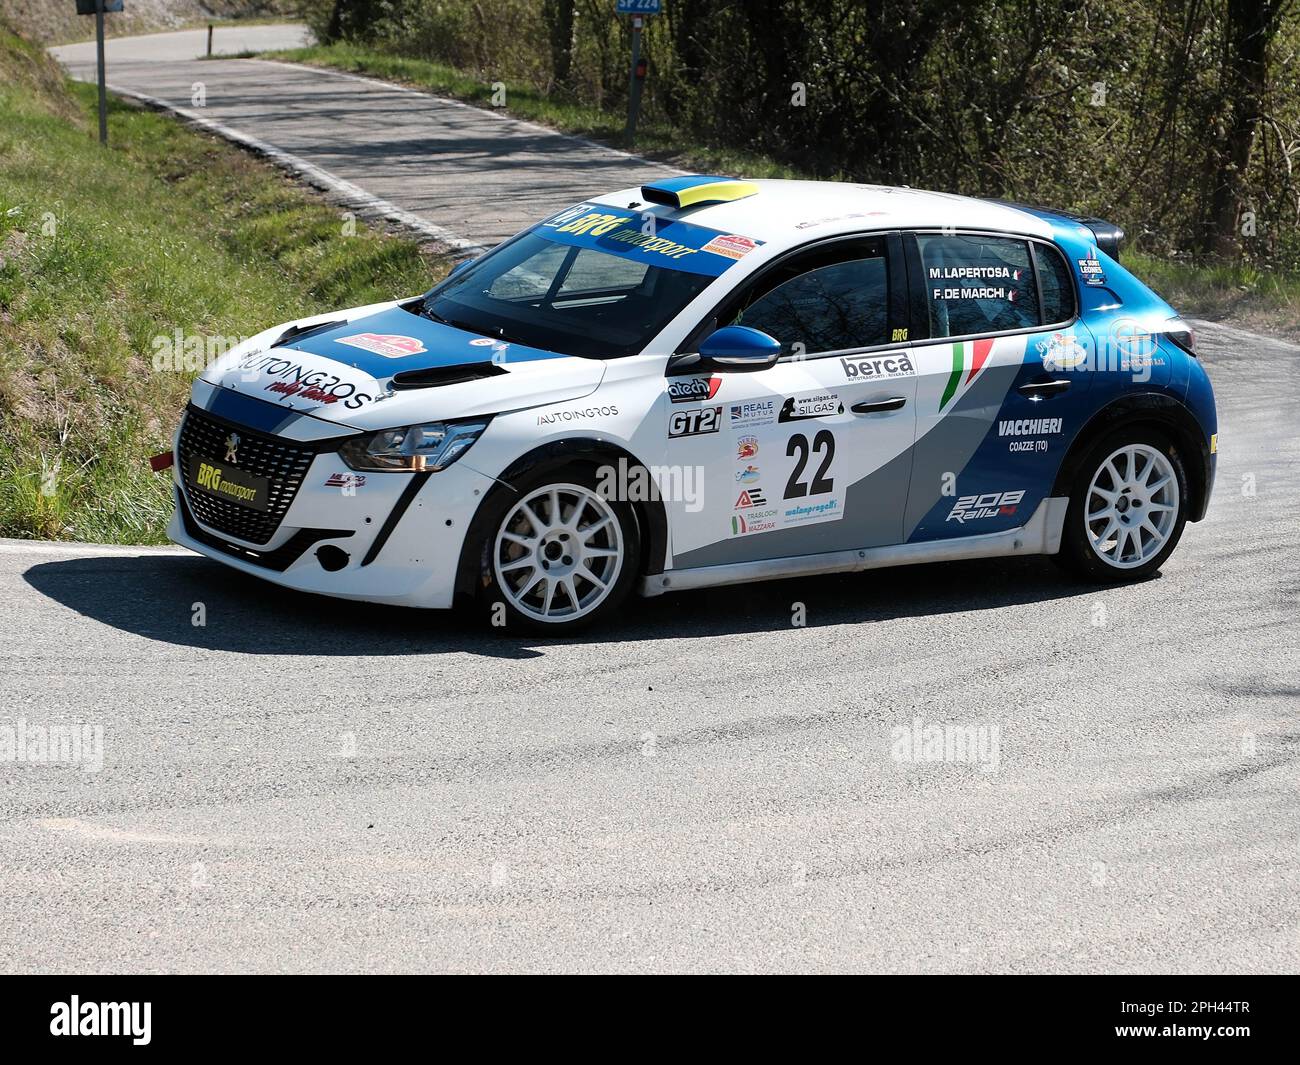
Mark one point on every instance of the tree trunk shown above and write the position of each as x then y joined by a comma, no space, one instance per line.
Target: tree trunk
559,29
1249,29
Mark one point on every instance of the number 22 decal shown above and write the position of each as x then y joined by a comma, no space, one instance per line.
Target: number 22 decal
824,441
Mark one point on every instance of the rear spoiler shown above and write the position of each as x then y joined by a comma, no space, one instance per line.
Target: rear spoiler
1107,235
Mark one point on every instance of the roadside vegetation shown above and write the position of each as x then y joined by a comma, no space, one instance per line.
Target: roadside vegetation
104,256
1178,119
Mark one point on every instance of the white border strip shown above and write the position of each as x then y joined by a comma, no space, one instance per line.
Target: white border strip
74,549
349,194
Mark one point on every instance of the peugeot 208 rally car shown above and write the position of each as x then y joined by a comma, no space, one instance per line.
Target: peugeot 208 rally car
705,381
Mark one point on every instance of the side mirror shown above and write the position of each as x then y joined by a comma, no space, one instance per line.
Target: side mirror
739,349
460,266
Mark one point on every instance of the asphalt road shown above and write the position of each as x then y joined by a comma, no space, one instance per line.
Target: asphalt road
479,174
306,784
309,784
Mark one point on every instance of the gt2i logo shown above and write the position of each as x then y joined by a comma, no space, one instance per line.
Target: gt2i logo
877,367
693,389
823,444
694,422
989,505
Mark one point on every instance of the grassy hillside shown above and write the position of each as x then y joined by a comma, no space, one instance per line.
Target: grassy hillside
104,252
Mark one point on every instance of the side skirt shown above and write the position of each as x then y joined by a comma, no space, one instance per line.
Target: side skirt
1041,535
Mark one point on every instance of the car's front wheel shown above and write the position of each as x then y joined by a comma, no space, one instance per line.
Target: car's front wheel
1127,508
558,555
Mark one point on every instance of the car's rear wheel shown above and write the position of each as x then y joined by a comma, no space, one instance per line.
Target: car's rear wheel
558,555
1127,507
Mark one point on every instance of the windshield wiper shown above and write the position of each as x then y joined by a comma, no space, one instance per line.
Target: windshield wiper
499,334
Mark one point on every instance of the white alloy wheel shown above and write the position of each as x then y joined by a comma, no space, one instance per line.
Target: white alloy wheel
1132,506
558,553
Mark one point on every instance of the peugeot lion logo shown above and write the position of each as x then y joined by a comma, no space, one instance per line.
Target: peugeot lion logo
232,445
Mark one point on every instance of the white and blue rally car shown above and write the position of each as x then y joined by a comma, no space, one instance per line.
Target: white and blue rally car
706,381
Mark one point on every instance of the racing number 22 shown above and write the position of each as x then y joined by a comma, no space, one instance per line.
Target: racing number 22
823,442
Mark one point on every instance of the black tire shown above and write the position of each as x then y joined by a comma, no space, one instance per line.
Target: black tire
1077,553
498,610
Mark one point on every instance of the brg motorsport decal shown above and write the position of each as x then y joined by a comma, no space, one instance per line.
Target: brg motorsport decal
645,237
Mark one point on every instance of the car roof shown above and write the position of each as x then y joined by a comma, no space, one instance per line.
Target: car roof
785,213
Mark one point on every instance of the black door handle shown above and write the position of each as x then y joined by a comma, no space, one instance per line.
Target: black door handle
1043,388
892,403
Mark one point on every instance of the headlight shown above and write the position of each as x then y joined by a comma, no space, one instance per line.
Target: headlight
432,446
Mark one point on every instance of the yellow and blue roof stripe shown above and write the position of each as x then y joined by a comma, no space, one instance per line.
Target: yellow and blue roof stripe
697,190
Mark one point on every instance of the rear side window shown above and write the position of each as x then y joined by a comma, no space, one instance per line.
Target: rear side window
976,285
1056,283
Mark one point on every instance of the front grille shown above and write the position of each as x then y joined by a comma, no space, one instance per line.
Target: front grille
282,462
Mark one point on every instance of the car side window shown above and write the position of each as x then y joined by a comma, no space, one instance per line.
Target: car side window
1057,284
976,284
825,306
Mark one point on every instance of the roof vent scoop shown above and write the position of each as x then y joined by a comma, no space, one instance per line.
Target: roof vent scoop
696,190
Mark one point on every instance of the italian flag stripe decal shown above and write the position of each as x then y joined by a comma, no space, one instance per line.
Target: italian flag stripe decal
968,357
954,378
982,349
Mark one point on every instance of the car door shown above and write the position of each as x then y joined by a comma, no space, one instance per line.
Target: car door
812,454
1002,366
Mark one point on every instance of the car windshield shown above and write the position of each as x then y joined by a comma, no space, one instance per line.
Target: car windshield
560,297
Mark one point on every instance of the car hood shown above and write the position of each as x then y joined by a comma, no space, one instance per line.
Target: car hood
377,367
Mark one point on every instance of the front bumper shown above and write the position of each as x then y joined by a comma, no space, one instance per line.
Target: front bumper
401,534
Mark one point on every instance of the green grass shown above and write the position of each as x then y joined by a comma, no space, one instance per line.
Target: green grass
1235,292
104,251
653,140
